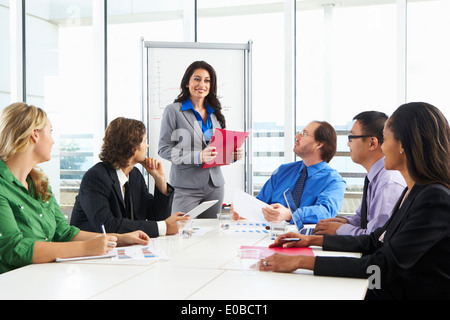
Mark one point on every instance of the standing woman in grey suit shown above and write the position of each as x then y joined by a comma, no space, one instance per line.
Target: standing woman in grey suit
187,127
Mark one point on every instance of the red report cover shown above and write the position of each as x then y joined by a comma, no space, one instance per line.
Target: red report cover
226,142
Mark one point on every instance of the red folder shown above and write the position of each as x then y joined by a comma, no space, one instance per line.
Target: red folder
226,142
289,251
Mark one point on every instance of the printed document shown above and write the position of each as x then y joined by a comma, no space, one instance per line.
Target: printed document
247,206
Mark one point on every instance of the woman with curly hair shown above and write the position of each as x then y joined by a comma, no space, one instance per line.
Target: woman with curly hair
113,192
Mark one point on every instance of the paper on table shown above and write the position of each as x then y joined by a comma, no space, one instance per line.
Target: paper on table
247,206
136,252
266,251
226,142
196,231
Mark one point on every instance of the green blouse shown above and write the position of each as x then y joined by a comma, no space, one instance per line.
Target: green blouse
24,219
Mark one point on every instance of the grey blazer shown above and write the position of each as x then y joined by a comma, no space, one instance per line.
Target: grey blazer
181,141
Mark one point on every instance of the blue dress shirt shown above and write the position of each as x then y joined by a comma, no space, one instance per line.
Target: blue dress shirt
206,127
322,195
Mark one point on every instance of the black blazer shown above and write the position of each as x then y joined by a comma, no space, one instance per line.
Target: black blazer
414,257
100,201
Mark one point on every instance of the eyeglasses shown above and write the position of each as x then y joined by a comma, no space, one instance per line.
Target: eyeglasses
350,137
303,133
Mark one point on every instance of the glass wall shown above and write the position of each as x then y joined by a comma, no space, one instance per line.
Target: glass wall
128,22
346,64
428,52
262,22
5,85
343,65
61,79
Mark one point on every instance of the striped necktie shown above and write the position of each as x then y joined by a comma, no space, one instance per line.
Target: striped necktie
298,189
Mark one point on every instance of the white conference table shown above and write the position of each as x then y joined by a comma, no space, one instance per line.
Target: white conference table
203,267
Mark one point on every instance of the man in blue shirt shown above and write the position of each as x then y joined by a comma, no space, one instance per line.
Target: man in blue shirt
324,187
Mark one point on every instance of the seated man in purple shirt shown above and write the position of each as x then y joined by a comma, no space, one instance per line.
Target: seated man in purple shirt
385,186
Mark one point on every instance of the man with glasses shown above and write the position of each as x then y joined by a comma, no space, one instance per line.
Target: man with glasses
317,188
382,188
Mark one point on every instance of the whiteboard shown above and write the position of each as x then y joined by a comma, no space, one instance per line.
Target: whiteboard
164,64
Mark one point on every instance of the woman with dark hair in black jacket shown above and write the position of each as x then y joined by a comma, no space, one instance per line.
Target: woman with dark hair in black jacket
407,258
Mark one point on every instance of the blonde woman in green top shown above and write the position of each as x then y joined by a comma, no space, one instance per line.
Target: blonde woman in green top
32,226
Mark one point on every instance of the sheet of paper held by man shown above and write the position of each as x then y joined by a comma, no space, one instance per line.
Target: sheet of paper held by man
247,206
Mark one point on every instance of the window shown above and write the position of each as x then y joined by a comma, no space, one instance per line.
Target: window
428,52
5,86
128,21
61,79
346,64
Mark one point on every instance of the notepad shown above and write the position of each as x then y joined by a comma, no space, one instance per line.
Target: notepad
226,142
104,256
133,252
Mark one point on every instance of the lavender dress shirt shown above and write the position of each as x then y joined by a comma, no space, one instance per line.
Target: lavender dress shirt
384,190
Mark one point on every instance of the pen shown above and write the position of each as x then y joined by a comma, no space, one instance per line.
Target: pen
103,228
291,239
